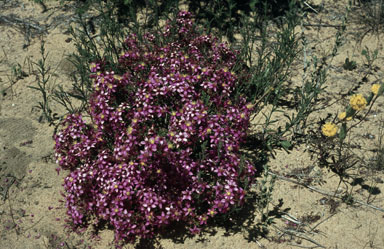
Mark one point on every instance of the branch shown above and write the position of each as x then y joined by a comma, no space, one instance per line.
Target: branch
324,192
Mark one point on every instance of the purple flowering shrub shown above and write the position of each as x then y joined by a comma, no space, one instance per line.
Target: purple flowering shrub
161,143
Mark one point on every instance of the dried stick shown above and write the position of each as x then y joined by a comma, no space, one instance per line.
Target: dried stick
300,235
14,20
322,25
324,192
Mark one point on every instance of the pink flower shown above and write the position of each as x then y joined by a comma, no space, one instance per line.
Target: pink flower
163,137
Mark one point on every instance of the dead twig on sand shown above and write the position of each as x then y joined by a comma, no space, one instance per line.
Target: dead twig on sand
324,192
300,235
325,25
4,189
25,23
25,26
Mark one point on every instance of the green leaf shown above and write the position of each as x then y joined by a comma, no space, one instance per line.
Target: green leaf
285,144
252,4
241,166
369,99
350,112
76,96
343,131
364,52
381,90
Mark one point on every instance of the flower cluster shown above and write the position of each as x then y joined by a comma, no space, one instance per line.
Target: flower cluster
329,129
162,144
357,103
343,116
375,89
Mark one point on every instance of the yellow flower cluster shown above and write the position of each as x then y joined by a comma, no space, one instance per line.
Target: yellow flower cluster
343,116
375,88
329,129
358,102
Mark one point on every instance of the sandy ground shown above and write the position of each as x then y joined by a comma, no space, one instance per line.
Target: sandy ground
32,216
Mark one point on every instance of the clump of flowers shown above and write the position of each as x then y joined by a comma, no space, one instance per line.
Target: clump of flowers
162,143
329,129
358,102
343,116
375,88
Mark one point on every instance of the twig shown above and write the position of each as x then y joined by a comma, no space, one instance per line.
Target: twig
13,219
369,205
324,192
302,236
322,25
309,6
311,247
299,235
23,26
321,222
4,191
291,219
42,4
14,20
261,98
5,54
34,224
260,245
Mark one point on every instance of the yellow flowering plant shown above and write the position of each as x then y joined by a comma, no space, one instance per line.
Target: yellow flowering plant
358,102
343,116
329,129
375,88
340,161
